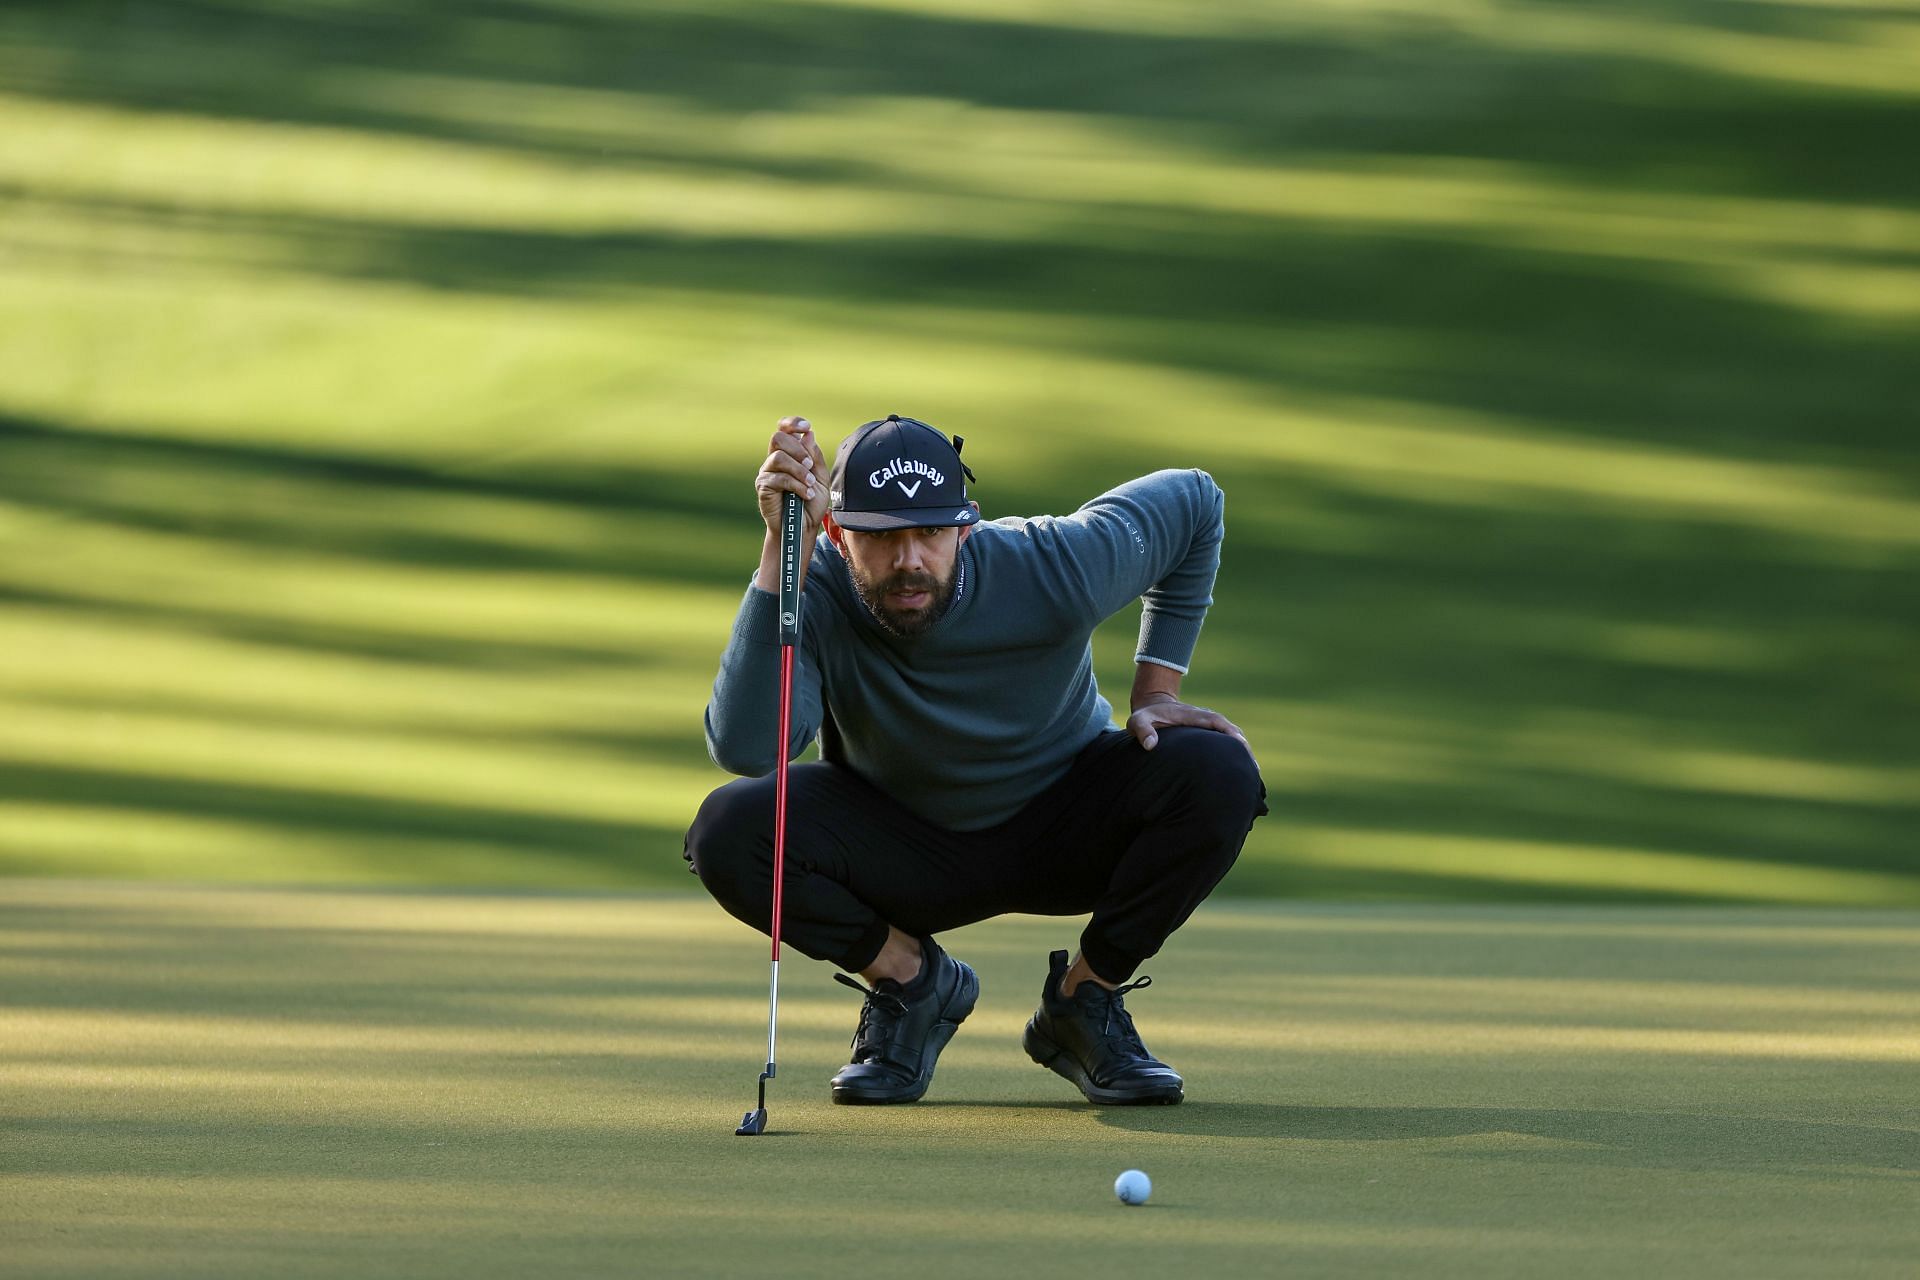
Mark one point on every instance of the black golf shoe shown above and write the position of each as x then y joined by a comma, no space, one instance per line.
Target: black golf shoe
1089,1039
903,1029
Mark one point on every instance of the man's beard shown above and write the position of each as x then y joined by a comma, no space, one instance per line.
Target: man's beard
909,623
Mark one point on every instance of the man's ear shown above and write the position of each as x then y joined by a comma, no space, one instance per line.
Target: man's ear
835,534
966,530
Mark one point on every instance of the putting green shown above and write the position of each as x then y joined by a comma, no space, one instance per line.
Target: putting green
216,1082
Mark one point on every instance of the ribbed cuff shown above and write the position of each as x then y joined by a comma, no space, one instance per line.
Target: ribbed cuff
1166,639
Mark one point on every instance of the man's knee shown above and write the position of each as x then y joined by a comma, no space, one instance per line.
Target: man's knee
1219,770
729,844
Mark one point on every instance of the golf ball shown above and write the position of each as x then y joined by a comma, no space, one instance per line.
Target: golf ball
1133,1187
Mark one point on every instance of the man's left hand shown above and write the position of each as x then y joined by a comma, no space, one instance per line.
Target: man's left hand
1146,723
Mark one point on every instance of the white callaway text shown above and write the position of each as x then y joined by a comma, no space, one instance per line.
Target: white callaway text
905,467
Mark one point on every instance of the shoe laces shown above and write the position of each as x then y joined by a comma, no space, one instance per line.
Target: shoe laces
1115,1009
873,1032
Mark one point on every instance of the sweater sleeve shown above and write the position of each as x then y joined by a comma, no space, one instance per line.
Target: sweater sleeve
1156,539
743,716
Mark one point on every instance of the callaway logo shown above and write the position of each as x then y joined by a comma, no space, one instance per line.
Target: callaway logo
905,467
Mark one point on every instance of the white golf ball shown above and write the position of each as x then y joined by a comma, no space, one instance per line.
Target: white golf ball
1133,1187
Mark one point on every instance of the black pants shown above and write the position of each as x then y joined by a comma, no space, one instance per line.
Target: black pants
1137,837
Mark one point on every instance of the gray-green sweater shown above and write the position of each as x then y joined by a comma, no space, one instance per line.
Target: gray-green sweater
965,724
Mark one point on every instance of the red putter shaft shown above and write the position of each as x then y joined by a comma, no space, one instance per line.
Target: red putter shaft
779,851
791,529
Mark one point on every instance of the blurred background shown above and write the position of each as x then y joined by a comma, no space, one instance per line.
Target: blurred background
381,382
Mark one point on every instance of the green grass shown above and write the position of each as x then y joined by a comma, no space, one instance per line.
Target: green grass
381,383
217,1082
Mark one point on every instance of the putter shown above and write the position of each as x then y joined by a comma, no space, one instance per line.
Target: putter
755,1121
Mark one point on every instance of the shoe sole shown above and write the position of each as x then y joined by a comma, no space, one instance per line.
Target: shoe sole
1061,1063
968,995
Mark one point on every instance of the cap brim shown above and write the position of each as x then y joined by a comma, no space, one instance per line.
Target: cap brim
904,518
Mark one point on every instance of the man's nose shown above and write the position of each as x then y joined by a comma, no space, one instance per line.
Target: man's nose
907,554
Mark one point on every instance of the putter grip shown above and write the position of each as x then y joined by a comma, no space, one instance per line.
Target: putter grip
789,568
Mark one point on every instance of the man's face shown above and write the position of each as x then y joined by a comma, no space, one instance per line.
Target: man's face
904,575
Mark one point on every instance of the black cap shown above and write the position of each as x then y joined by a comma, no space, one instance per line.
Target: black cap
899,473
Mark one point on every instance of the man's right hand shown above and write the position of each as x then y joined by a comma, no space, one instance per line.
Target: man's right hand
794,465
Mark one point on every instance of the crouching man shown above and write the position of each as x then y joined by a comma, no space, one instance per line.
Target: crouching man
969,765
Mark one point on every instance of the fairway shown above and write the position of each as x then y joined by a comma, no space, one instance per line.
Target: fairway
383,385
237,1082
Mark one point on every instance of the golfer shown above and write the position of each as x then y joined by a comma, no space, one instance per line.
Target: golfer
969,765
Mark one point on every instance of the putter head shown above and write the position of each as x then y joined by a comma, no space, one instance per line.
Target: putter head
752,1124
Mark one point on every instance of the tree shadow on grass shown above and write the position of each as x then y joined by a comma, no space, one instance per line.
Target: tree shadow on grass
1577,1138
1497,619
1640,117
1640,349
1607,347
1535,1135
